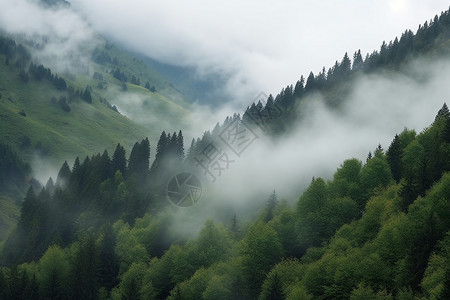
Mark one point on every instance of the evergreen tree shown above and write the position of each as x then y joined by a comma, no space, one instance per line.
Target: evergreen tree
443,113
357,61
393,156
270,208
63,178
192,149
134,159
145,154
139,159
299,88
105,166
108,260
85,273
28,211
310,83
162,145
180,146
161,151
119,161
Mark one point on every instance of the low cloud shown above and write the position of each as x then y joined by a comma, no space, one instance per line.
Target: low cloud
60,37
258,45
378,107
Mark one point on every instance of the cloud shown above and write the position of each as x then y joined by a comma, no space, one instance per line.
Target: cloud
260,45
378,107
62,39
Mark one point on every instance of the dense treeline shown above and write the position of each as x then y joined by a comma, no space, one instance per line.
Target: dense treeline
93,192
378,229
430,38
40,72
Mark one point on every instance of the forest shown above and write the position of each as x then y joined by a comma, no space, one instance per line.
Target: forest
104,229
379,229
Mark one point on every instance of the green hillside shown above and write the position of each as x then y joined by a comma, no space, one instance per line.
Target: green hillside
34,120
45,127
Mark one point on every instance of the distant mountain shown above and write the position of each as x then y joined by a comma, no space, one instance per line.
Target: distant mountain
205,90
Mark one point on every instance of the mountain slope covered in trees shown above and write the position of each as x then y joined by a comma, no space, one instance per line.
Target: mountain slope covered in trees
379,228
104,228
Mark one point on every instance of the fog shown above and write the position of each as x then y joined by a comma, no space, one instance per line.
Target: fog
261,48
258,45
379,106
61,38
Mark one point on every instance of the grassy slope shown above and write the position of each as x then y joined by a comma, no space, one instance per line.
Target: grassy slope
130,65
167,102
89,128
86,129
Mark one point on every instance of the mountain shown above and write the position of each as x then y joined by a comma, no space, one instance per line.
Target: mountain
203,90
89,110
378,228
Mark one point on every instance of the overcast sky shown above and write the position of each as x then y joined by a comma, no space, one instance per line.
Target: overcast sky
263,45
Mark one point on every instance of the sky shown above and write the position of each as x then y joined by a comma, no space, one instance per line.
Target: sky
261,45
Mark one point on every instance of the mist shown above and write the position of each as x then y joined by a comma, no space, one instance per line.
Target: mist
379,106
254,45
259,48
59,37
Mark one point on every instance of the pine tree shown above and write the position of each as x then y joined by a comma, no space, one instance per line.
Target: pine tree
85,274
145,155
63,178
446,132
394,158
161,151
180,146
133,160
50,186
139,159
108,261
162,145
310,83
192,149
119,161
105,167
173,145
357,61
28,210
345,65
369,156
270,208
299,88
443,113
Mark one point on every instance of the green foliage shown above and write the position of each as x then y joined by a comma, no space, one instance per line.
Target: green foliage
53,269
376,173
278,283
260,250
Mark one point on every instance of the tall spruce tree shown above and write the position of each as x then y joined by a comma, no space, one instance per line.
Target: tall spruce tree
393,156
119,160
